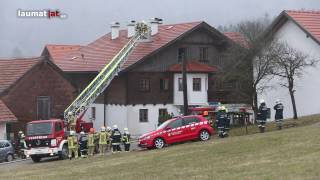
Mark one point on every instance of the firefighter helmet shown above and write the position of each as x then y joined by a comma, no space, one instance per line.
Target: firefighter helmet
72,133
125,129
205,113
103,128
20,132
278,101
69,113
115,126
109,128
262,101
82,133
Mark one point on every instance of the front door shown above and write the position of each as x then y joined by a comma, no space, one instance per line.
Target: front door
174,131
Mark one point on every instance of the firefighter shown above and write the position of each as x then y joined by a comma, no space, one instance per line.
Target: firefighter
83,143
109,132
116,139
73,145
103,136
262,116
223,122
72,121
126,139
279,113
91,144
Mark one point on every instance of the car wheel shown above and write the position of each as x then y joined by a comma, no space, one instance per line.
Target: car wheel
64,152
204,135
159,143
9,158
36,159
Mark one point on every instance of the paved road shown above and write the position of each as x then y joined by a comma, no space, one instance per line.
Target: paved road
19,162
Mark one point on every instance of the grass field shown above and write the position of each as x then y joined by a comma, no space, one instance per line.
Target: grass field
293,153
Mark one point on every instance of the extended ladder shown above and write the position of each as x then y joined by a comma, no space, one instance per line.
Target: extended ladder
103,79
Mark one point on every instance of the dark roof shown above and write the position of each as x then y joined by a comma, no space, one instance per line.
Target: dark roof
5,114
193,66
11,70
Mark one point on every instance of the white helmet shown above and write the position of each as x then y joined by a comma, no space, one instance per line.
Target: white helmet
278,101
125,129
108,128
69,113
262,101
103,128
72,132
115,126
82,133
22,135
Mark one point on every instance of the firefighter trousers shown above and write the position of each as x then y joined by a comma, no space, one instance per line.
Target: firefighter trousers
90,150
116,148
74,151
102,148
127,147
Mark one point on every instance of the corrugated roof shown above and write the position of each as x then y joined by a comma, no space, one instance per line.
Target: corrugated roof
5,114
13,69
308,20
193,66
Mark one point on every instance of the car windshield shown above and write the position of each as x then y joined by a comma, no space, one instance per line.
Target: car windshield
164,124
34,129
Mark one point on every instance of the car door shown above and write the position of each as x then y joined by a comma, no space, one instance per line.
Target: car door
192,127
174,131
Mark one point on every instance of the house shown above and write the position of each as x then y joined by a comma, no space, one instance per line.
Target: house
31,89
149,84
300,30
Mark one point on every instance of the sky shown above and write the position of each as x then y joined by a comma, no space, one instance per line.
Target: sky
88,20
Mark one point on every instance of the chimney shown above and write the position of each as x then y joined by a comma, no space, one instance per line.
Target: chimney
115,26
131,28
154,23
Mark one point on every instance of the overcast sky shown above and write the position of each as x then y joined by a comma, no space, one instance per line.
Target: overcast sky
88,20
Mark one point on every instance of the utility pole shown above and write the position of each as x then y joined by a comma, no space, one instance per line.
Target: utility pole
184,85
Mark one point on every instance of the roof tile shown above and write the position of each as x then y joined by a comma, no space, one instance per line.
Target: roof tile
5,114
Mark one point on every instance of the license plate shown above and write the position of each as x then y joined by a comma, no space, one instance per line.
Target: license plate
39,151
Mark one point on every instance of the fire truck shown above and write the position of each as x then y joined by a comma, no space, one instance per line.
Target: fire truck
47,138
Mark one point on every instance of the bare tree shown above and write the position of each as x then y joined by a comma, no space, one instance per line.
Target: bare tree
291,64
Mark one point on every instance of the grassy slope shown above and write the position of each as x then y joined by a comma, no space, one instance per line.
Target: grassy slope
289,154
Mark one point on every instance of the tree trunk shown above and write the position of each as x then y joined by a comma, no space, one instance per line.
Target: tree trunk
185,90
293,101
255,103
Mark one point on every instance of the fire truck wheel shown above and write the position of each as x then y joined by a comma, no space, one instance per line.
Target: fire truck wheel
64,152
36,159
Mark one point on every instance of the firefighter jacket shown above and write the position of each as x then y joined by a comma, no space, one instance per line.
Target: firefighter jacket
103,137
72,141
83,141
279,111
222,120
262,112
91,138
116,137
126,138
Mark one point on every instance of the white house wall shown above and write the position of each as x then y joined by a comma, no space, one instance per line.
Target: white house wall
128,116
308,88
3,131
194,97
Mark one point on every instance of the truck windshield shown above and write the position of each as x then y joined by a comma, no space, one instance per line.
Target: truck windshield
34,129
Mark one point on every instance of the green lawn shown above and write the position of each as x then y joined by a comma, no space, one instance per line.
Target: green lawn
292,153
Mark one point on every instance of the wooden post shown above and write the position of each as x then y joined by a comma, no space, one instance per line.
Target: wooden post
184,84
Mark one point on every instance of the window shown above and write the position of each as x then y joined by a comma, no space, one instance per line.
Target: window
93,113
182,52
58,127
143,115
164,84
43,107
175,124
180,87
196,84
203,54
144,85
190,120
163,112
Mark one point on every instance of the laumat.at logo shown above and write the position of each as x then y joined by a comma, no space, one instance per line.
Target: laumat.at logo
44,13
